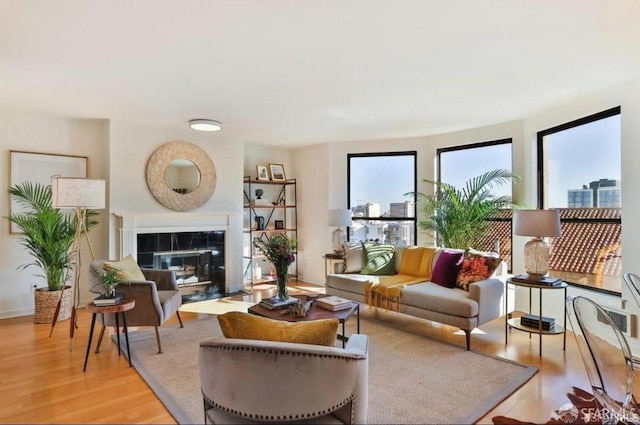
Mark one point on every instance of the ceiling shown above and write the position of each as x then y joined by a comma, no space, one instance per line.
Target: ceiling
294,73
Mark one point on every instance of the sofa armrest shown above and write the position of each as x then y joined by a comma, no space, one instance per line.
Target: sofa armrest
165,279
488,294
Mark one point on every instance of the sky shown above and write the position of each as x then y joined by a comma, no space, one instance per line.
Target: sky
576,157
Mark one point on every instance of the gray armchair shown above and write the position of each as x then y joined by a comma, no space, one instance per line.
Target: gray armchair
250,381
157,298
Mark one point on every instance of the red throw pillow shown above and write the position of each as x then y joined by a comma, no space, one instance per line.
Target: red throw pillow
446,269
475,267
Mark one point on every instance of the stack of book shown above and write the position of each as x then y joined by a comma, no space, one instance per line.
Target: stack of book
533,321
334,303
105,300
273,303
544,280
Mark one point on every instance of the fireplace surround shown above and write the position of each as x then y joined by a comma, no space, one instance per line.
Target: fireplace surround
194,235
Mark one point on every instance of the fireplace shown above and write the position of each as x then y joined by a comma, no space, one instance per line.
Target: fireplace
198,259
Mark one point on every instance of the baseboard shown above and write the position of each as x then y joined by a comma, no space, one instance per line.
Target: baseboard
17,313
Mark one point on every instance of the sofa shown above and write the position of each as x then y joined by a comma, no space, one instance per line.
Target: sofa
465,306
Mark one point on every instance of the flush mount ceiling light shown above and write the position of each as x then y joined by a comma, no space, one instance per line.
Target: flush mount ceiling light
205,125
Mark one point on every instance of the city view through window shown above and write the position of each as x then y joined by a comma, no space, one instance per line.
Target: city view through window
376,192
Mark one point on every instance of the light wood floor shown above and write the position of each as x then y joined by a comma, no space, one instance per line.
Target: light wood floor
41,380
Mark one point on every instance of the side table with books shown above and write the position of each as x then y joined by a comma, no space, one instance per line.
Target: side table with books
536,323
118,309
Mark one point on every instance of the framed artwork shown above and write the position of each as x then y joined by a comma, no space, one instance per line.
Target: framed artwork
277,172
263,174
279,224
36,167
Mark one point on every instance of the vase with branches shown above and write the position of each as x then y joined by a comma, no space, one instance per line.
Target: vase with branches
279,251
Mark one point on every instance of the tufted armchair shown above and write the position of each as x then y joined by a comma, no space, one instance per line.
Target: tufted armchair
250,381
157,298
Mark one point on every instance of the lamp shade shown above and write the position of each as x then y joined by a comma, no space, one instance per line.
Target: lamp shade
539,223
339,218
73,192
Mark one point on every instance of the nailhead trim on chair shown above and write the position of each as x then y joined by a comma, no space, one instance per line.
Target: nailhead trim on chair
277,418
273,351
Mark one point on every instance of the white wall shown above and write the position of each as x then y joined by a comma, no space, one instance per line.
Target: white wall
28,131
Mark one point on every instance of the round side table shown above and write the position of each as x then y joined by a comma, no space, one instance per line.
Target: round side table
121,308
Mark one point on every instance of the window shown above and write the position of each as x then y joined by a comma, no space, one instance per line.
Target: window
376,196
458,164
580,175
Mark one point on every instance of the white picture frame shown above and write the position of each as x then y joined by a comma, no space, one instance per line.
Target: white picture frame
37,167
277,172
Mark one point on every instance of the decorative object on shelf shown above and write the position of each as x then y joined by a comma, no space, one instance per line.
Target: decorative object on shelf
279,224
278,249
263,174
259,222
277,172
539,224
257,272
259,193
339,218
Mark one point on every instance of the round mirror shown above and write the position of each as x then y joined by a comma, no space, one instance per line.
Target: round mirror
182,176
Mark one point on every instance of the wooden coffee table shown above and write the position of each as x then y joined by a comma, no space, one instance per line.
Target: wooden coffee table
314,313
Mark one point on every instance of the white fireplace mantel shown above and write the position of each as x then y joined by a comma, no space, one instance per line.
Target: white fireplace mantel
130,224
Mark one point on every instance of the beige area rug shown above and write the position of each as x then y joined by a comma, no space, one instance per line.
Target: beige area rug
413,379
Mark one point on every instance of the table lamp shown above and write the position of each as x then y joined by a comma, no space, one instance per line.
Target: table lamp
339,218
539,224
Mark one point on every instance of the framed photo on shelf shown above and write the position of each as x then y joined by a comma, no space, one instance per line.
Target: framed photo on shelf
277,172
37,167
263,174
279,224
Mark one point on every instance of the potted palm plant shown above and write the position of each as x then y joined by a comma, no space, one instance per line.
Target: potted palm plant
459,216
48,235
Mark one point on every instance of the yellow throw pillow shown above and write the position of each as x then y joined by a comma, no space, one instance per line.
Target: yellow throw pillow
126,269
236,324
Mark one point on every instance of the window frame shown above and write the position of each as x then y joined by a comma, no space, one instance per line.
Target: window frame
415,188
541,184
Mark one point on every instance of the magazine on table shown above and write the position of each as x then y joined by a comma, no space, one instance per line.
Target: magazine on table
272,303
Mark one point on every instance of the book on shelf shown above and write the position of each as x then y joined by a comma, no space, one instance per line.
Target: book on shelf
544,280
273,304
105,300
334,303
533,321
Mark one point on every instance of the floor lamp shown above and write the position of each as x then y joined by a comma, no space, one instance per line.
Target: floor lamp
78,194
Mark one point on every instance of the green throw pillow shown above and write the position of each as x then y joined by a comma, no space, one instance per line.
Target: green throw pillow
378,259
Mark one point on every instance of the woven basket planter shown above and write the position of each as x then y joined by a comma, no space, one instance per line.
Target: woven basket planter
46,302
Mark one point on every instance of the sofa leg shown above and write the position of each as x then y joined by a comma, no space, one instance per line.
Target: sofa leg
179,319
468,336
